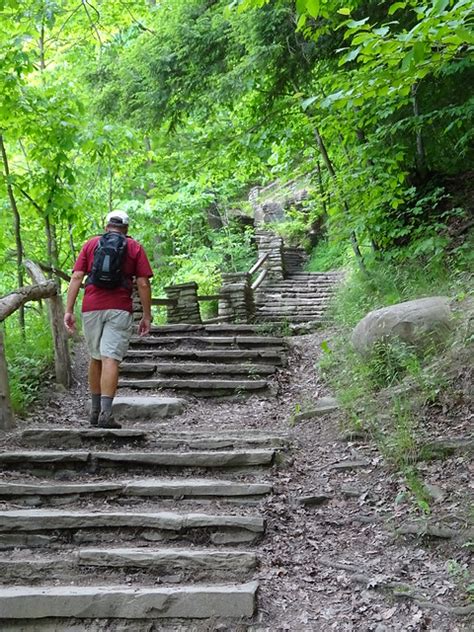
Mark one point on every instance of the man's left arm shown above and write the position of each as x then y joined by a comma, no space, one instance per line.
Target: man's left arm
144,292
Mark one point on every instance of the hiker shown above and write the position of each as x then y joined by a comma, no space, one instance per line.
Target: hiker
110,261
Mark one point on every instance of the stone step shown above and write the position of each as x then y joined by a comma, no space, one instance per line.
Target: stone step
45,492
302,298
94,460
288,311
125,602
143,408
296,290
274,355
294,295
284,318
20,527
161,562
220,341
281,306
220,328
160,440
195,368
205,388
72,437
300,284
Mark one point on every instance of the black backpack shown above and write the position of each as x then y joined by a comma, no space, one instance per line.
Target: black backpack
108,258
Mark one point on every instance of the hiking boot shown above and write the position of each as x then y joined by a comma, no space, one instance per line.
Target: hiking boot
94,417
107,421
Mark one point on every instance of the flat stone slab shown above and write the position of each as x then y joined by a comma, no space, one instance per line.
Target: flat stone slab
200,602
42,436
196,368
188,487
44,456
170,559
224,458
274,354
25,520
55,489
196,458
195,487
210,340
147,407
322,406
195,385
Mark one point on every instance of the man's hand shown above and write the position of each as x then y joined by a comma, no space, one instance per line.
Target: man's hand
70,322
144,326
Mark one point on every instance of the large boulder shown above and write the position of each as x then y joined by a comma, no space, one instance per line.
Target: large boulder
412,321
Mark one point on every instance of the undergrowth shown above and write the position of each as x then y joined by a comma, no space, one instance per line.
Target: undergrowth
29,358
388,392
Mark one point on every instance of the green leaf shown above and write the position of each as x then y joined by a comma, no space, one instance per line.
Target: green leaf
465,35
354,24
325,346
394,7
351,55
312,7
440,5
301,22
418,52
344,11
308,102
301,6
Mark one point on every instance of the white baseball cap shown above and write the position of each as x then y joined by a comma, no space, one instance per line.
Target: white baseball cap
117,218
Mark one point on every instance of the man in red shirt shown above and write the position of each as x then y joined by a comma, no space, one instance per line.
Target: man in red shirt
107,316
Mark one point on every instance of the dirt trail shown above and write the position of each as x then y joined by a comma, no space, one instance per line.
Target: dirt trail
336,563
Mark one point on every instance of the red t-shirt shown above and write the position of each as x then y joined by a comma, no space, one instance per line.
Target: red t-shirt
135,264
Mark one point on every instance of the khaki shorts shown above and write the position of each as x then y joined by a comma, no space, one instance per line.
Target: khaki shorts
107,332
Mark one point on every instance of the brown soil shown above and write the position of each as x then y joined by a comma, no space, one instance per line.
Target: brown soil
336,565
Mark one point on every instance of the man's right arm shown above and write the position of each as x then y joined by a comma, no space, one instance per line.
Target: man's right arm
72,292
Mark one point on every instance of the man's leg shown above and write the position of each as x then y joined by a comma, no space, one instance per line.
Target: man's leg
109,377
113,346
108,387
92,327
95,370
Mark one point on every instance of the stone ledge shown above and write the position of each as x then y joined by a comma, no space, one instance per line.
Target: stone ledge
23,602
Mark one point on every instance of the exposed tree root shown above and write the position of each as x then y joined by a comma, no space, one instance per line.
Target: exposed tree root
399,590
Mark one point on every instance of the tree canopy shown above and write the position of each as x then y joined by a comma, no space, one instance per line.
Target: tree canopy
172,109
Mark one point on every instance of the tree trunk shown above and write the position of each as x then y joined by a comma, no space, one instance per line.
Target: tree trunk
41,49
332,173
7,420
420,145
14,300
321,189
111,187
16,226
62,360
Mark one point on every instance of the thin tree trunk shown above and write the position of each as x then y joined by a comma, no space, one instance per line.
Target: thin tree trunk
321,188
420,145
71,241
16,227
41,49
62,360
332,173
7,420
52,244
111,186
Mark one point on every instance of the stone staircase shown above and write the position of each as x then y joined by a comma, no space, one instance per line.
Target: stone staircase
294,259
301,297
137,525
204,360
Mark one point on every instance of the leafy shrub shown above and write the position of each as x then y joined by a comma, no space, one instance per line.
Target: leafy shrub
29,359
